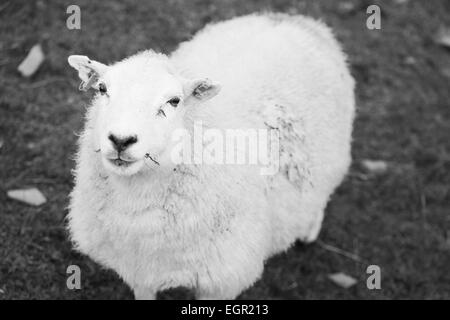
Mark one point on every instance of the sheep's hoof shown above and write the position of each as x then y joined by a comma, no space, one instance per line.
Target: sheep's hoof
178,293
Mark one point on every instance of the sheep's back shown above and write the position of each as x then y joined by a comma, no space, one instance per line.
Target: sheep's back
264,58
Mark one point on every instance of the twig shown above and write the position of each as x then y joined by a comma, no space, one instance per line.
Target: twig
45,82
36,246
149,157
339,251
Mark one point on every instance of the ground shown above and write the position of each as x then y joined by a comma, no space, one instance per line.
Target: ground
398,220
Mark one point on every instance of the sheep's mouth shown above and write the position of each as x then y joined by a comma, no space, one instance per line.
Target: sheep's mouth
118,162
121,166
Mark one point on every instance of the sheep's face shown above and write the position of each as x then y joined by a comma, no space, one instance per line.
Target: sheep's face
140,103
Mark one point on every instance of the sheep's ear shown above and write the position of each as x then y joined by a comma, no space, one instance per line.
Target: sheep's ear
89,70
203,89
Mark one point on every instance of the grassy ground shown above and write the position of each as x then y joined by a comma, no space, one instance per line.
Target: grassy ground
399,220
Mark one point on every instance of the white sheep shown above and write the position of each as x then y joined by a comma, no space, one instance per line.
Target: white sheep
210,227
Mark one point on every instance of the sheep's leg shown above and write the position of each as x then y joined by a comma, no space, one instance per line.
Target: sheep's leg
177,293
201,297
213,297
314,229
142,293
316,199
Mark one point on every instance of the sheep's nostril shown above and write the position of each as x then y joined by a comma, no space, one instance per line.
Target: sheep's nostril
122,143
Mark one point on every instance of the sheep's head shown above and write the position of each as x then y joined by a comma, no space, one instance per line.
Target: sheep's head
140,102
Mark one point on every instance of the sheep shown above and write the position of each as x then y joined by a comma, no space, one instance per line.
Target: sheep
210,227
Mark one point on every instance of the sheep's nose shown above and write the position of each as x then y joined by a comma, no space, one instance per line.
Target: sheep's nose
122,143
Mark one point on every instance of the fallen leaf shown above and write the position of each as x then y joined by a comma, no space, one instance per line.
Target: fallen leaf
32,62
30,196
342,280
443,37
374,166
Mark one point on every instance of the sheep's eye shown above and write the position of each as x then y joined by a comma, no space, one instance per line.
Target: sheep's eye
161,113
102,88
174,102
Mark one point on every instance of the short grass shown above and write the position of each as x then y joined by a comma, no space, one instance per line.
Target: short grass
399,220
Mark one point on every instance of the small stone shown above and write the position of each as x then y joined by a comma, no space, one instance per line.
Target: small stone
410,60
443,37
31,196
374,166
343,280
32,62
346,7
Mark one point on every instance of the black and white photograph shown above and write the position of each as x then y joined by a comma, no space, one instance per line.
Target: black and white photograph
224,150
